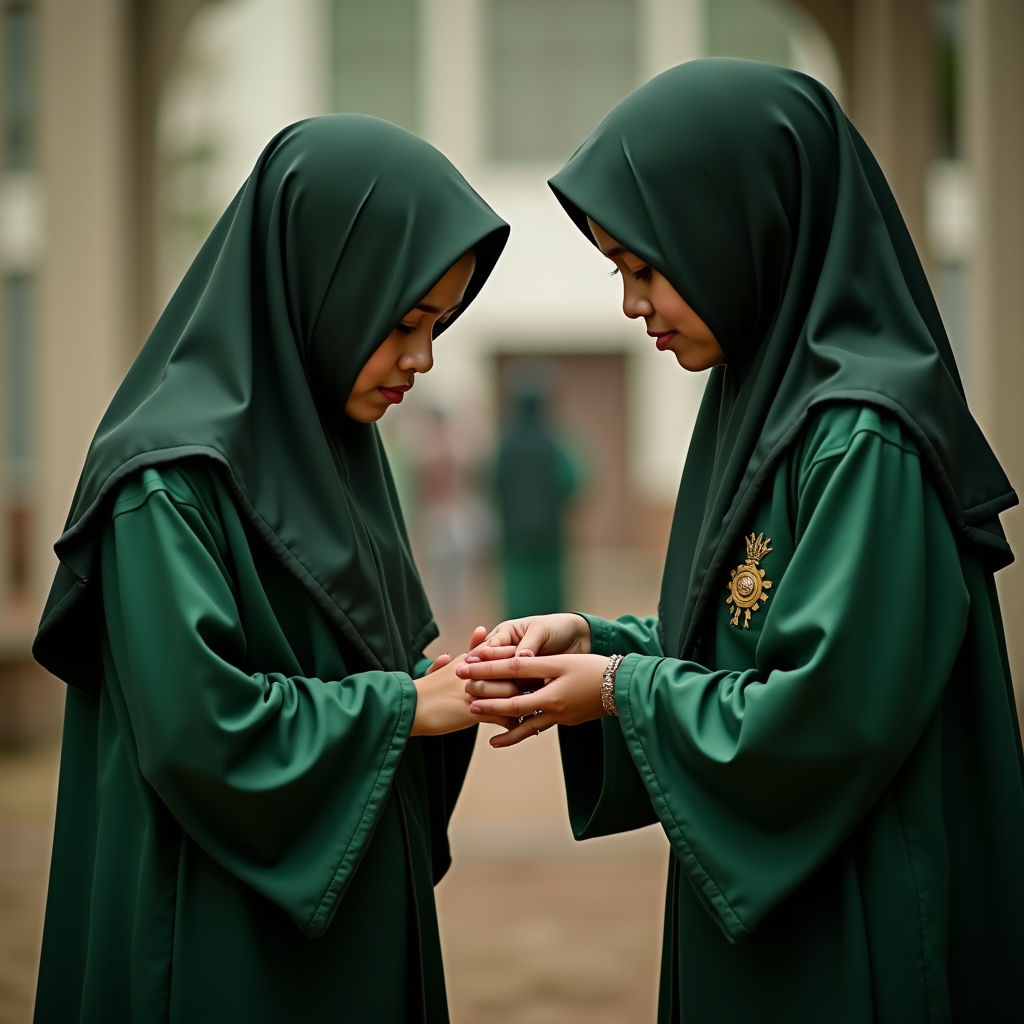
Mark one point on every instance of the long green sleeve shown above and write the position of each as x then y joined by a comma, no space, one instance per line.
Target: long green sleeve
604,790
279,778
758,775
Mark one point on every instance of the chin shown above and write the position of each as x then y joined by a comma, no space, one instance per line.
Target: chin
694,362
365,415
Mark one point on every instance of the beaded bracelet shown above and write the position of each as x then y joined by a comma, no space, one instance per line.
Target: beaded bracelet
608,686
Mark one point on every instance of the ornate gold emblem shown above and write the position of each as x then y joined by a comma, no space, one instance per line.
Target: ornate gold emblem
748,585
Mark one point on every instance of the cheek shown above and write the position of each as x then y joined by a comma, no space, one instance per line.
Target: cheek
674,309
378,367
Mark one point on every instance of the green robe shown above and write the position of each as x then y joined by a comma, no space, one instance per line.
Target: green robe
239,616
840,782
245,830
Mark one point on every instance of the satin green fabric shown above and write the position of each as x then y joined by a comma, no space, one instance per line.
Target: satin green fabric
748,188
344,224
239,617
245,830
841,782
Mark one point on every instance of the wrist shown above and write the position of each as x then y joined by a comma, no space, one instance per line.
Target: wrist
583,639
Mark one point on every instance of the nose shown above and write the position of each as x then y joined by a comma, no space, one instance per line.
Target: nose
634,303
419,353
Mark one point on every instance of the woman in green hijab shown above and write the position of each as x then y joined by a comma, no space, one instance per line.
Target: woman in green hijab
821,716
248,764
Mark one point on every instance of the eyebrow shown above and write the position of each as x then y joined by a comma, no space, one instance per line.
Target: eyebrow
619,250
424,307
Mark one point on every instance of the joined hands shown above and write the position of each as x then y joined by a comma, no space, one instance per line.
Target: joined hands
525,674
546,659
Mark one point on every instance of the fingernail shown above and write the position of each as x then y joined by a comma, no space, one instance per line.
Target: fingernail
462,672
524,654
471,659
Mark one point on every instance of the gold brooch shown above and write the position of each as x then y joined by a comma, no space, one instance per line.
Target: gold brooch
748,585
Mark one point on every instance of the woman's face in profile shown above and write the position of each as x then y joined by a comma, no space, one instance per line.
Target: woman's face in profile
670,319
408,349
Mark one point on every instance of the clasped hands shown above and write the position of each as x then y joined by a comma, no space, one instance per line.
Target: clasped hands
525,674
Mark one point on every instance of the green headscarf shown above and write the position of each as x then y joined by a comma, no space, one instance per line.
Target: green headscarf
748,188
345,223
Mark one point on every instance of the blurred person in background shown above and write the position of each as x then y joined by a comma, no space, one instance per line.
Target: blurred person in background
253,756
822,716
535,479
454,523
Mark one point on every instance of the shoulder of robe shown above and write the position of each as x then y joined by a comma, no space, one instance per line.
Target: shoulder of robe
831,431
194,483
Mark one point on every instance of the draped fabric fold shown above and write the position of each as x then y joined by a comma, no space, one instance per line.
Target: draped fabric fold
746,185
344,224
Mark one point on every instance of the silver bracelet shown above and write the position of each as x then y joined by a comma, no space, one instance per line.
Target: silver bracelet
608,686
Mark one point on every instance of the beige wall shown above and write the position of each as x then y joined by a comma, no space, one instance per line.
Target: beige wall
885,49
81,345
100,63
98,70
994,117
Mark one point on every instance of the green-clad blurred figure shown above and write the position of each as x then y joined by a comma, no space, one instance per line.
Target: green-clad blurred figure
533,547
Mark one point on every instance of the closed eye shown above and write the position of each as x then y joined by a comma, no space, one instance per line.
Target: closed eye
641,274
404,328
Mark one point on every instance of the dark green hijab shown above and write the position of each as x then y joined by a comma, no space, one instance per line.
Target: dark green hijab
748,188
345,223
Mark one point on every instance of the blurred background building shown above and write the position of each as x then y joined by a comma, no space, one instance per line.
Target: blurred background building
127,125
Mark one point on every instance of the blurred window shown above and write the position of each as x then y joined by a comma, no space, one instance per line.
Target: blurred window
777,32
751,29
557,67
18,85
375,59
18,287
18,302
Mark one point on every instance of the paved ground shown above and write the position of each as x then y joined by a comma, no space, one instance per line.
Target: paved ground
28,789
537,928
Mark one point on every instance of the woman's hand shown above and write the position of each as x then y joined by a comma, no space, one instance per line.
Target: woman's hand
572,693
536,634
442,704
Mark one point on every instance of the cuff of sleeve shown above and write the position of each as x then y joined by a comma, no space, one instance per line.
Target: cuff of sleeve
421,667
407,709
602,635
623,677
705,886
376,799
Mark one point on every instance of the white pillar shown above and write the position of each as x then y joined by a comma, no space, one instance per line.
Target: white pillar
83,303
673,32
994,118
451,80
891,99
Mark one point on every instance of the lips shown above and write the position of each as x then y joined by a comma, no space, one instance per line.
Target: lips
664,338
396,394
